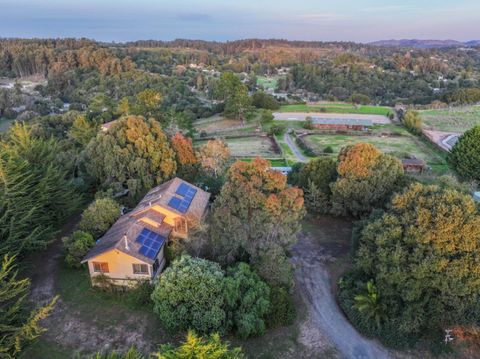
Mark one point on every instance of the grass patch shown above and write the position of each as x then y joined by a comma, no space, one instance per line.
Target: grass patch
45,349
267,82
274,162
456,119
338,108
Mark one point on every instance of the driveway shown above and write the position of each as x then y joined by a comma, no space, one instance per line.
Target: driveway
314,281
293,147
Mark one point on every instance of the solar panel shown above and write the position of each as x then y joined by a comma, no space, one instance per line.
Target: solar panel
151,243
174,202
183,189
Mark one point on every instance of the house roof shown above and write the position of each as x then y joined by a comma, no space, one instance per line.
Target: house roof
124,232
341,121
413,162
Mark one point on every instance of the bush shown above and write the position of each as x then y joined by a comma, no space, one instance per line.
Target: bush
189,295
262,100
247,301
266,117
328,149
465,155
140,295
282,309
277,129
99,217
77,246
413,122
308,124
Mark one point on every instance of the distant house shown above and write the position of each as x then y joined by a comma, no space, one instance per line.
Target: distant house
339,124
284,170
413,165
107,125
133,248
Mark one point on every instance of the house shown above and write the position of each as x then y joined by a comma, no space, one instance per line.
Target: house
413,165
284,170
341,124
133,248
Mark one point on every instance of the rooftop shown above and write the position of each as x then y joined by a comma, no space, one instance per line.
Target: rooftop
128,233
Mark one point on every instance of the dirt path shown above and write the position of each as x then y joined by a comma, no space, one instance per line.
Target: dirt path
314,281
293,147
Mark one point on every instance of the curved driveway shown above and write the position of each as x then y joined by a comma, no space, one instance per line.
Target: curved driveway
313,279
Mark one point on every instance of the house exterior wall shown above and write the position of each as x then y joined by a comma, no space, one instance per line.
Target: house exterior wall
120,266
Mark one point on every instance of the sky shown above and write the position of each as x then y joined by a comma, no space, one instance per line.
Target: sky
222,20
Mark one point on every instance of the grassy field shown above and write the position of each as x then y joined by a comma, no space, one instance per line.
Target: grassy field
338,108
268,82
457,119
399,146
249,147
274,162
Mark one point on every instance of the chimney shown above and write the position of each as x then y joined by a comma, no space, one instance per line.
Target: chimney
126,242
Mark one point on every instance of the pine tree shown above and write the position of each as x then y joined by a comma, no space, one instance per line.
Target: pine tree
16,328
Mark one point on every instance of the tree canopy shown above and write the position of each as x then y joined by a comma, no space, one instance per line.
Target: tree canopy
367,178
133,154
465,155
423,256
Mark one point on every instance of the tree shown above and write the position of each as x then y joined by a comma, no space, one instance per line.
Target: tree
262,100
183,148
423,255
413,122
99,216
320,171
17,329
134,154
367,178
369,304
148,103
247,301
316,201
124,106
213,156
83,130
77,246
189,295
465,155
235,95
255,213
197,347
360,99
36,191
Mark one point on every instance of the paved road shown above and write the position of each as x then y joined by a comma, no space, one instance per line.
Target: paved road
313,279
293,146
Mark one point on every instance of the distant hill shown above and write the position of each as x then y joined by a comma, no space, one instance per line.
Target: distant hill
424,44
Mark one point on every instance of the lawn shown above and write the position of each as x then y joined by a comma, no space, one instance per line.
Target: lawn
267,82
338,108
274,162
456,119
249,147
399,146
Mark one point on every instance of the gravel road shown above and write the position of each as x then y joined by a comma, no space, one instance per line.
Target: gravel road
313,279
296,151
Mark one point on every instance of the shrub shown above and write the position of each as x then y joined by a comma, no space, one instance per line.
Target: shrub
413,122
277,129
465,155
308,124
77,245
140,295
247,301
266,116
328,149
189,295
282,309
99,217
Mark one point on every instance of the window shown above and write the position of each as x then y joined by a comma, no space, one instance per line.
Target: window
100,267
140,269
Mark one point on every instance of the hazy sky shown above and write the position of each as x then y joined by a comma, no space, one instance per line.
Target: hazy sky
355,20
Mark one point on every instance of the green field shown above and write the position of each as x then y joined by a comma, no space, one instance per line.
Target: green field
399,146
267,82
457,119
274,162
249,147
338,108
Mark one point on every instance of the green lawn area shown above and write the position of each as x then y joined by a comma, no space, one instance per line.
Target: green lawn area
274,162
268,82
338,108
456,119
399,146
249,147
5,124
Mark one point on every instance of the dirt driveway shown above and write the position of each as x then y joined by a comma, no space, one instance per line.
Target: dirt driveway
315,251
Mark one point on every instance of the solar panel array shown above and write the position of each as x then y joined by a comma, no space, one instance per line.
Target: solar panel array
185,191
151,243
